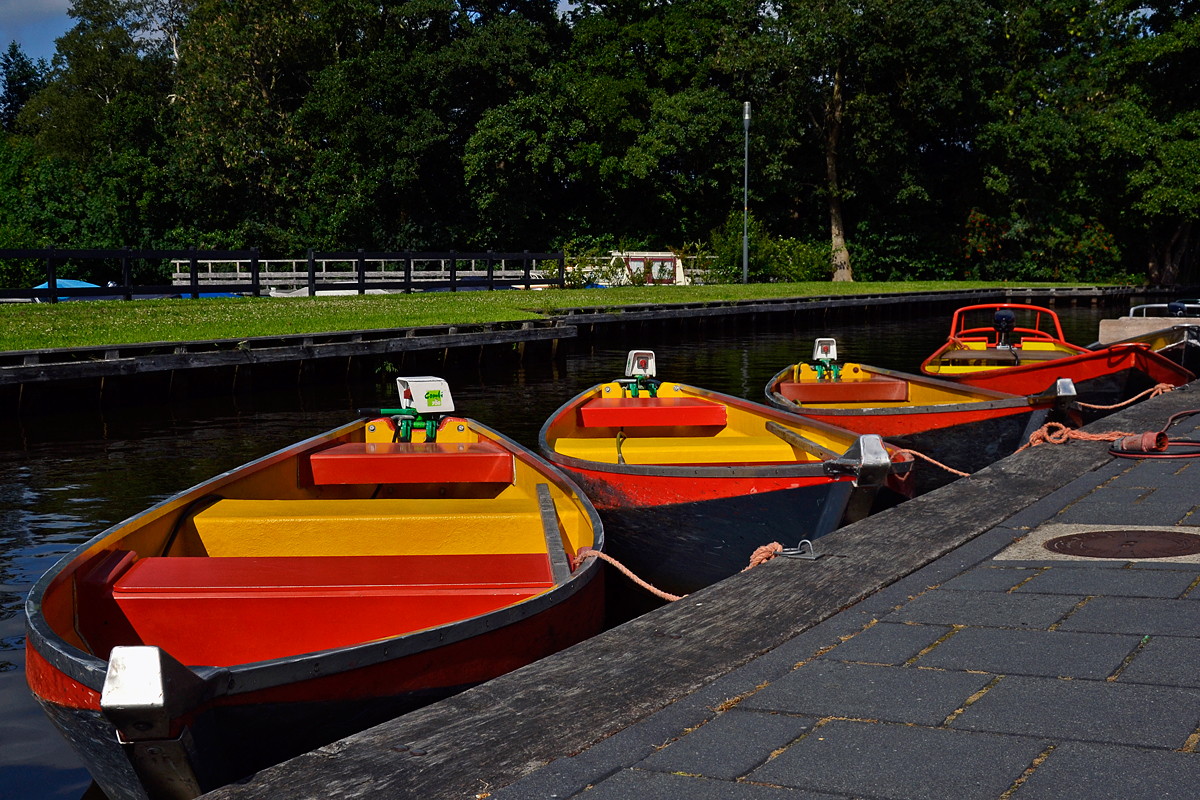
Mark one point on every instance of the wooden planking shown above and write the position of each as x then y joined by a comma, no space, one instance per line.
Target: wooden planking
304,348
647,311
560,569
496,733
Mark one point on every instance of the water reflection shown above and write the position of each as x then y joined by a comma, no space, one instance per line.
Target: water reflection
65,478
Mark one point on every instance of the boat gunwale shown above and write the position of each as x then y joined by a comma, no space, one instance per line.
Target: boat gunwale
1060,337
1083,356
90,670
1176,335
1000,400
807,469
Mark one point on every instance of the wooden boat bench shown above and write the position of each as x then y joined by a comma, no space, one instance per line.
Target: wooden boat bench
992,354
222,611
454,462
645,412
380,527
876,390
681,450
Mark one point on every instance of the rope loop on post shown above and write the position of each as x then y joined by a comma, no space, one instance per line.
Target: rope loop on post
764,554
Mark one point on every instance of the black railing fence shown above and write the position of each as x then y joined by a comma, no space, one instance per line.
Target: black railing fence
410,272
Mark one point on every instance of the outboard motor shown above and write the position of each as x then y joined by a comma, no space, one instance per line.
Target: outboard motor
1176,309
1004,322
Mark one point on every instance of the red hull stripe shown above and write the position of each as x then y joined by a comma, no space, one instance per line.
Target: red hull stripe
1037,378
631,412
52,686
241,610
876,390
611,490
365,463
887,425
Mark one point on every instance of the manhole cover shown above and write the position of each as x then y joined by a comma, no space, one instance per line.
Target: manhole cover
1126,544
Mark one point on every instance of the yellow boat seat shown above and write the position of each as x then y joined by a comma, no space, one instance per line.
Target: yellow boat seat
681,450
384,527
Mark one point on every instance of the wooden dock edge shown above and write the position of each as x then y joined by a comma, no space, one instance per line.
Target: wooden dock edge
492,735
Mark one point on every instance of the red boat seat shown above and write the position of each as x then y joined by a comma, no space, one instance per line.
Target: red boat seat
441,462
224,611
645,412
876,390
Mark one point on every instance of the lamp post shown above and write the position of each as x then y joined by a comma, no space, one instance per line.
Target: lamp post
746,197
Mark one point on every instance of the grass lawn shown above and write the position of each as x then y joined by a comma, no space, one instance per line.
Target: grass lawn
30,326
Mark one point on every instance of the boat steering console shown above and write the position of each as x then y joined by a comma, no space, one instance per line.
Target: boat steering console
1004,322
639,370
424,401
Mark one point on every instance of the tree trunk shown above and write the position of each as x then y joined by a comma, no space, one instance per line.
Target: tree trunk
833,116
1163,269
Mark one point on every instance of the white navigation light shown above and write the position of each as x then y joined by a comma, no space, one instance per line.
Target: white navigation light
640,363
825,349
425,395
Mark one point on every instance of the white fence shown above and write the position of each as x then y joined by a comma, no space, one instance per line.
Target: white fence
292,273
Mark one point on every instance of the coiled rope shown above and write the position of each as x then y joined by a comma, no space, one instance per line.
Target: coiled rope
1153,444
1057,433
764,554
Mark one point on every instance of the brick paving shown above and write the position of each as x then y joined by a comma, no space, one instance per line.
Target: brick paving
990,674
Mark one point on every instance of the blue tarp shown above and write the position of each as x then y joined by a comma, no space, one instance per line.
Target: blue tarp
67,283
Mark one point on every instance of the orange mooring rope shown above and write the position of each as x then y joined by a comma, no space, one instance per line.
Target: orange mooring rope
760,556
764,554
936,463
1057,433
587,552
1161,388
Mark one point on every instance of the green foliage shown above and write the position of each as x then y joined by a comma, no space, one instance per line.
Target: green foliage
1013,249
903,256
772,259
20,79
993,138
588,261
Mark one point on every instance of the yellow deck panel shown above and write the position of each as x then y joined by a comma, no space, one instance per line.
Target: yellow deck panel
681,450
1042,344
370,527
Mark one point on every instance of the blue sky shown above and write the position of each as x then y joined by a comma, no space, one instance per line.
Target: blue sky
33,24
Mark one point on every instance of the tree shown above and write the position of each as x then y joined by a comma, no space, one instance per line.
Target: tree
883,94
635,132
1151,125
22,78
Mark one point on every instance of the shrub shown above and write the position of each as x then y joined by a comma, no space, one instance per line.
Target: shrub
771,260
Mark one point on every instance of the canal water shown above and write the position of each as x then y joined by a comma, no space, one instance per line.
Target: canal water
66,477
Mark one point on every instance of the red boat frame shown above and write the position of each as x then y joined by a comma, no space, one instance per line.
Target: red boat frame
1037,378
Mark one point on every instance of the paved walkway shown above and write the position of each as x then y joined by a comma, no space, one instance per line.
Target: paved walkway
1000,670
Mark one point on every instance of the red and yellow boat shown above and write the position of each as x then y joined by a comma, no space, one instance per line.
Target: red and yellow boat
965,427
1020,349
689,482
307,595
